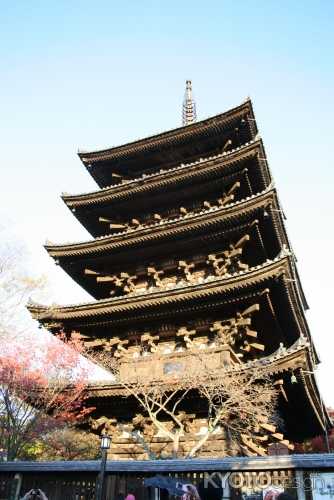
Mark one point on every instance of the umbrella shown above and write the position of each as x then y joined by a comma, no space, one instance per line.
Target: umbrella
172,484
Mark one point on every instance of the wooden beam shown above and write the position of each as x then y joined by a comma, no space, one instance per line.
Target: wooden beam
253,345
256,345
242,241
278,435
251,309
207,204
117,176
251,333
146,337
262,438
243,321
91,272
247,452
227,144
252,446
235,186
118,226
268,427
113,225
100,279
104,219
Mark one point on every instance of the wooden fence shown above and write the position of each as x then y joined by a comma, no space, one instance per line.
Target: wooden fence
304,477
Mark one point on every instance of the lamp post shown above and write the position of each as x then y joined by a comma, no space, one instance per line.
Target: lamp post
105,445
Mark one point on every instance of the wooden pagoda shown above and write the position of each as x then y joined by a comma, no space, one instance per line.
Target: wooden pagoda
188,233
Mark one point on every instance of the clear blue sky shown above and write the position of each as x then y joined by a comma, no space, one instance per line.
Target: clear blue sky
94,74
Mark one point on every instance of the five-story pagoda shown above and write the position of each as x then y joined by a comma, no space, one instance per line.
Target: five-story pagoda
189,238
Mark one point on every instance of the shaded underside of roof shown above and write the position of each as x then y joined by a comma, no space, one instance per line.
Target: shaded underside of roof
171,228
161,192
273,278
264,243
211,286
165,178
242,288
169,147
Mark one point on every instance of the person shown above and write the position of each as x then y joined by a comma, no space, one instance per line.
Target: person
130,496
272,494
284,496
190,492
35,494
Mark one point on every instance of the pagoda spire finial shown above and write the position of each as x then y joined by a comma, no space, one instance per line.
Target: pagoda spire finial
189,106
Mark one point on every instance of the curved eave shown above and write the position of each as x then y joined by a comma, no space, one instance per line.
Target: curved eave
291,287
167,229
171,177
178,295
313,394
170,138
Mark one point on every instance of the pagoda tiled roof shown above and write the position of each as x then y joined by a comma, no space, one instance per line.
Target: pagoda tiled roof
167,227
168,177
230,289
171,137
181,292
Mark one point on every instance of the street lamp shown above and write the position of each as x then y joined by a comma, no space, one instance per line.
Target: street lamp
105,442
105,445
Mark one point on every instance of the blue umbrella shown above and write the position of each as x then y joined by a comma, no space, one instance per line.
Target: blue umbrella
172,484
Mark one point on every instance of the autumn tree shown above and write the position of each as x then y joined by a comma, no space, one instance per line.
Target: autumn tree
42,380
66,443
16,287
40,390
